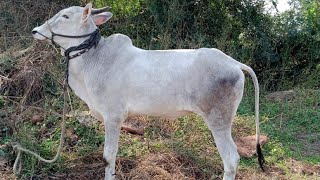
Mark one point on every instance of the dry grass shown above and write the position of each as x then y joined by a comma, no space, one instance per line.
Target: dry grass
19,17
291,169
25,80
23,87
153,166
162,166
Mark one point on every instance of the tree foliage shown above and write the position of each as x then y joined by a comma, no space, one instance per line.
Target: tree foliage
283,48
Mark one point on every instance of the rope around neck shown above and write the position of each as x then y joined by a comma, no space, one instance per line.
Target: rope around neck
18,148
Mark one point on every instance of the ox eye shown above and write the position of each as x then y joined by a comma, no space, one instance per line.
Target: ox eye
65,16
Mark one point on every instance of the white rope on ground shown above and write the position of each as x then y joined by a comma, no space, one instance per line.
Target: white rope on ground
17,147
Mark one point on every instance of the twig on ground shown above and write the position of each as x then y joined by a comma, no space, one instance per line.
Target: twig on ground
132,130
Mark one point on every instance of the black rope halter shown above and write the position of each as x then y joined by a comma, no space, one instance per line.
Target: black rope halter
84,47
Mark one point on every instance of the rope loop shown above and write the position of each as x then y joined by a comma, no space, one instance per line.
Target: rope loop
19,149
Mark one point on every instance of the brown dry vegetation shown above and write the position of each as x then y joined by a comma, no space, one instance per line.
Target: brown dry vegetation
25,79
23,85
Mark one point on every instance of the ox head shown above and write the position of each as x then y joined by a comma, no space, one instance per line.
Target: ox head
72,21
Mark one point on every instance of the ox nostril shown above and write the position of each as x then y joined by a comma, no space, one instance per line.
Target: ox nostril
34,32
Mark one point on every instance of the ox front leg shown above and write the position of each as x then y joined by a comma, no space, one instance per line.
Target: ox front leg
112,133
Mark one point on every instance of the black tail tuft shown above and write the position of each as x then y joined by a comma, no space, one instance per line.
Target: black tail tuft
260,157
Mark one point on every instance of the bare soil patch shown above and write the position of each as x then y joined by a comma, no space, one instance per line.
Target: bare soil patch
247,145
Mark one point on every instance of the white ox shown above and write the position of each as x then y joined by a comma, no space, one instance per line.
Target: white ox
118,80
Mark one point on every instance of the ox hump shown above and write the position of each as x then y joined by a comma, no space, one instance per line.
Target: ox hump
118,40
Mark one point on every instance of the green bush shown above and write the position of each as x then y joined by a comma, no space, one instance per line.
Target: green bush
283,49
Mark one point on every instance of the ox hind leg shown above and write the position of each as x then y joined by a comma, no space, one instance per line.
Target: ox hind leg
219,122
226,147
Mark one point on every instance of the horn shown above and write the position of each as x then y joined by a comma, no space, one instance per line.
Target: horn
97,11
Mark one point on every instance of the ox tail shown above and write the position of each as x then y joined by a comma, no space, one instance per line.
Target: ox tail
256,87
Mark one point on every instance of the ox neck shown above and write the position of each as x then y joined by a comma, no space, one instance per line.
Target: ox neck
80,49
83,47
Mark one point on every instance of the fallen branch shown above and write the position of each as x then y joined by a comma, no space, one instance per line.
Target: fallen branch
132,130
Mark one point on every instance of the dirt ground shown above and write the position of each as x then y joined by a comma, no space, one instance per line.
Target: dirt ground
163,166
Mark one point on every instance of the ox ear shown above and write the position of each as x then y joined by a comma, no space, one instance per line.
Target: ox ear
86,12
101,18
